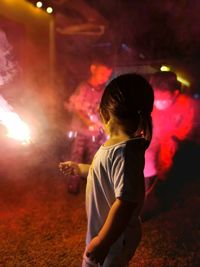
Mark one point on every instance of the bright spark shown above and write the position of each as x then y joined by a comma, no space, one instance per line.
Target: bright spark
16,127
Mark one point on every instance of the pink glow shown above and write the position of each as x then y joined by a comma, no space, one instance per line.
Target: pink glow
172,123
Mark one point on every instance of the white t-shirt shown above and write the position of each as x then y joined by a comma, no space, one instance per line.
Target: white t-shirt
116,172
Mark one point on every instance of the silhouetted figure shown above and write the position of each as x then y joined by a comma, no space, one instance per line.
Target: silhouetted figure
85,131
173,116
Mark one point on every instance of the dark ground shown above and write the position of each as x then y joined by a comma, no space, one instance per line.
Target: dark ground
42,225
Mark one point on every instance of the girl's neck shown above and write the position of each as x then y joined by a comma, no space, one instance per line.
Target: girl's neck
115,140
116,135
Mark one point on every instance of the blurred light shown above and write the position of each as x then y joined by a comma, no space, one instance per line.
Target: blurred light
183,81
70,134
164,68
142,56
49,10
126,47
39,4
196,96
16,127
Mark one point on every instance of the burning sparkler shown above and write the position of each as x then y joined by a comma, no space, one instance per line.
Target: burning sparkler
15,126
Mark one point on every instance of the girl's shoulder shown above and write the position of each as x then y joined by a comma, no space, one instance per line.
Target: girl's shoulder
120,142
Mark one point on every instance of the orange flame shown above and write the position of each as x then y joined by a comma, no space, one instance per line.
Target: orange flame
16,127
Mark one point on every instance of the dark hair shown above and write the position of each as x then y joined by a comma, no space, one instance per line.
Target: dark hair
165,81
129,98
105,61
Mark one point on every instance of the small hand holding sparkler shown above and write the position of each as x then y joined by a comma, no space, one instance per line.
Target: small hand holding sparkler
69,168
73,172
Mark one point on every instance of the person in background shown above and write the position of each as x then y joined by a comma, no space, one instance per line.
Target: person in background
115,182
173,116
85,131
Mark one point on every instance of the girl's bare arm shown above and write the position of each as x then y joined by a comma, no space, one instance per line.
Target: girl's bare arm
72,168
116,222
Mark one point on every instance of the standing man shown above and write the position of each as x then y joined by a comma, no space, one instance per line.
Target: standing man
85,131
172,116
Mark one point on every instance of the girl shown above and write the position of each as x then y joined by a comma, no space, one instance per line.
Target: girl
115,181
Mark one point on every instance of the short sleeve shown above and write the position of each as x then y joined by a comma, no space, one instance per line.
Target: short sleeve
118,172
127,171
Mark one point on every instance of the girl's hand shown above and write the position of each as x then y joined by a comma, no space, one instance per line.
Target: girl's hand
97,251
69,168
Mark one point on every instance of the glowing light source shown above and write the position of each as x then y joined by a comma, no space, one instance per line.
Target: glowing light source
16,127
164,68
183,81
49,10
70,134
39,4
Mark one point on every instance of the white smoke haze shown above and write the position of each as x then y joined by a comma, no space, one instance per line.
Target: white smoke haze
28,115
136,32
8,67
16,127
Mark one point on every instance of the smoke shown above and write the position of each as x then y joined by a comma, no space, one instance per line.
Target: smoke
8,67
136,32
24,106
